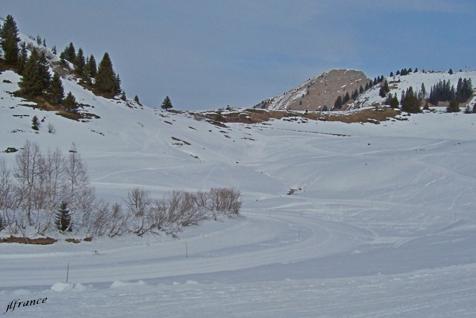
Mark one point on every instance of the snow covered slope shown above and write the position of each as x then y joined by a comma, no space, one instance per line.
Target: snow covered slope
382,224
398,84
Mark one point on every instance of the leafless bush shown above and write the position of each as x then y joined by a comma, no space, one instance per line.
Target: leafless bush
225,200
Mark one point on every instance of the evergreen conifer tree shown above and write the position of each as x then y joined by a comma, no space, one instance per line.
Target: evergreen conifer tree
22,58
70,53
384,89
394,102
107,83
70,102
167,103
346,98
91,68
9,41
31,84
136,99
56,91
79,63
35,123
410,102
44,71
63,218
338,103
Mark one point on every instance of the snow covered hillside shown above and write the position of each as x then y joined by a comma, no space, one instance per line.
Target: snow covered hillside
382,222
338,220
398,84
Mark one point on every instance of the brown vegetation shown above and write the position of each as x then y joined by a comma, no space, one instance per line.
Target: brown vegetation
255,116
26,240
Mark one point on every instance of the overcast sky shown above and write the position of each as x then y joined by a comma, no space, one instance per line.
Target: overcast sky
211,53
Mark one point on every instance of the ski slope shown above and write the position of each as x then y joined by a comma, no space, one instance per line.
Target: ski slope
384,224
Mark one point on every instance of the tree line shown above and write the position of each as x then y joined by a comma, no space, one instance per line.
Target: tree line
38,82
412,100
343,100
50,192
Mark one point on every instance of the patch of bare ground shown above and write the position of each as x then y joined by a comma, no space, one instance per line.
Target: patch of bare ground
255,116
26,240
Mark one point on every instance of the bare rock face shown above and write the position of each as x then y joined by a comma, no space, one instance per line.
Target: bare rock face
318,93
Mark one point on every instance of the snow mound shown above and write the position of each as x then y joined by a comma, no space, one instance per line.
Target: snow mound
119,284
63,287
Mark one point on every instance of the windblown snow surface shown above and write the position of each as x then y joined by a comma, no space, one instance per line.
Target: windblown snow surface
384,225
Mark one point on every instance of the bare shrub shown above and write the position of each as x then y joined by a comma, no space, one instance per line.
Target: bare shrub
138,202
225,200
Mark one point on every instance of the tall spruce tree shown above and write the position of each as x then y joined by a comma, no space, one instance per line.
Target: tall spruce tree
410,101
56,91
31,84
167,103
9,41
63,218
107,82
69,53
91,68
44,70
22,58
79,64
384,89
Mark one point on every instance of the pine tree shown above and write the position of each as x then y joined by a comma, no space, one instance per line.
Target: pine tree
423,91
79,63
22,58
107,83
338,103
70,102
56,91
69,53
44,71
410,102
361,89
118,85
394,102
384,89
167,103
136,99
346,98
31,84
91,68
35,123
9,41
63,218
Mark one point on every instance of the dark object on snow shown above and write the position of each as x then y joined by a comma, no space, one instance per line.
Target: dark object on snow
11,150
